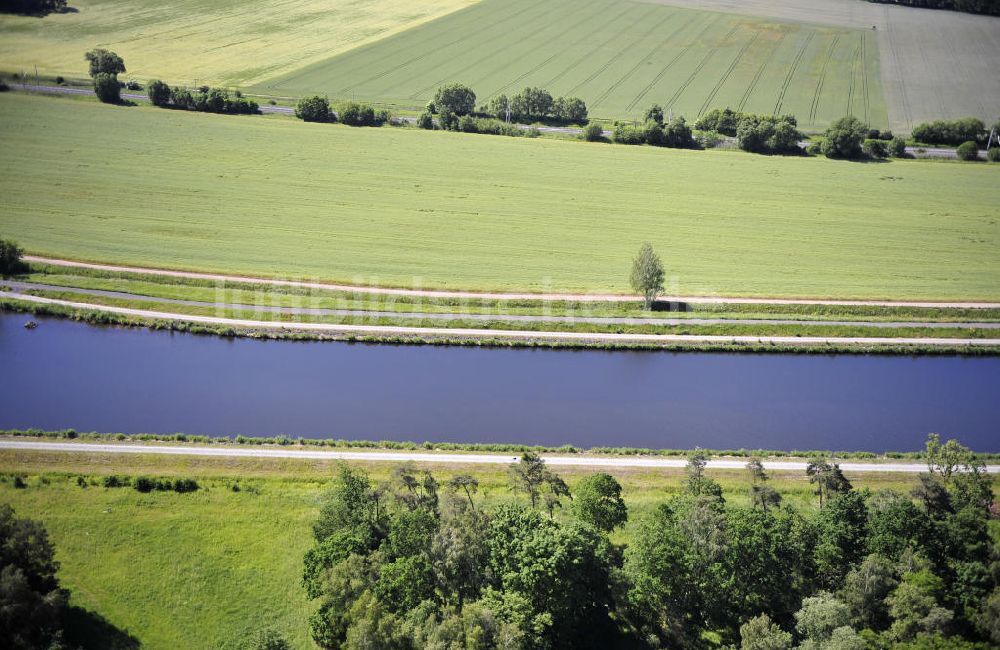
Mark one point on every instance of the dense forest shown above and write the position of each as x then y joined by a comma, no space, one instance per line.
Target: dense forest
417,564
991,7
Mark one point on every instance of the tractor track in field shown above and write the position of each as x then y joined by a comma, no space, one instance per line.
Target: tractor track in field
791,73
904,101
727,74
864,80
444,46
572,65
663,71
760,73
625,50
545,24
545,62
613,87
814,106
697,70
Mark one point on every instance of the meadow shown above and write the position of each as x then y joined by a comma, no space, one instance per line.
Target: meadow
197,570
619,57
205,41
395,206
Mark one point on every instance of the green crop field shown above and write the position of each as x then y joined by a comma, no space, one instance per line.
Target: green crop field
205,41
394,206
195,570
620,57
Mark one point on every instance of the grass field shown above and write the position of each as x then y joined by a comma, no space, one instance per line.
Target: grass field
620,57
205,41
195,570
272,196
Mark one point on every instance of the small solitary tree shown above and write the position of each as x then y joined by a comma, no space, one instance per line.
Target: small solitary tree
647,275
104,61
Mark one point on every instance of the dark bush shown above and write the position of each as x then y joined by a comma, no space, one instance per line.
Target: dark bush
113,481
314,109
425,121
876,149
60,80
593,132
967,151
993,155
19,483
184,485
81,482
107,88
448,121
4,87
158,92
182,98
654,114
144,484
10,258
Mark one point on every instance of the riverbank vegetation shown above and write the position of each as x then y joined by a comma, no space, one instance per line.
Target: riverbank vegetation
396,445
240,540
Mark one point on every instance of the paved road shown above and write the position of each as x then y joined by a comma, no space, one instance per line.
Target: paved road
469,333
21,287
916,152
424,457
469,295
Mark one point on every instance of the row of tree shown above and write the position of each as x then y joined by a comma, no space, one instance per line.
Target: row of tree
417,564
318,109
954,132
991,7
204,99
528,105
656,131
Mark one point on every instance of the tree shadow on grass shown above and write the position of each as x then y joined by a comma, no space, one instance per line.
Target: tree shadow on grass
91,631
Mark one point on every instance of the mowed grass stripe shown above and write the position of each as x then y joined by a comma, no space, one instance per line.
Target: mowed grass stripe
614,54
277,197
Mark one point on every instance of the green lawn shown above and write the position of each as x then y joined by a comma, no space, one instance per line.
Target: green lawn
272,196
205,41
195,570
620,57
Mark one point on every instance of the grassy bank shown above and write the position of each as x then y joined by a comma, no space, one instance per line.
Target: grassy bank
368,206
249,293
446,447
97,317
195,570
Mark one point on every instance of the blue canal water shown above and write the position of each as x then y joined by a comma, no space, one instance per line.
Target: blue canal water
72,375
